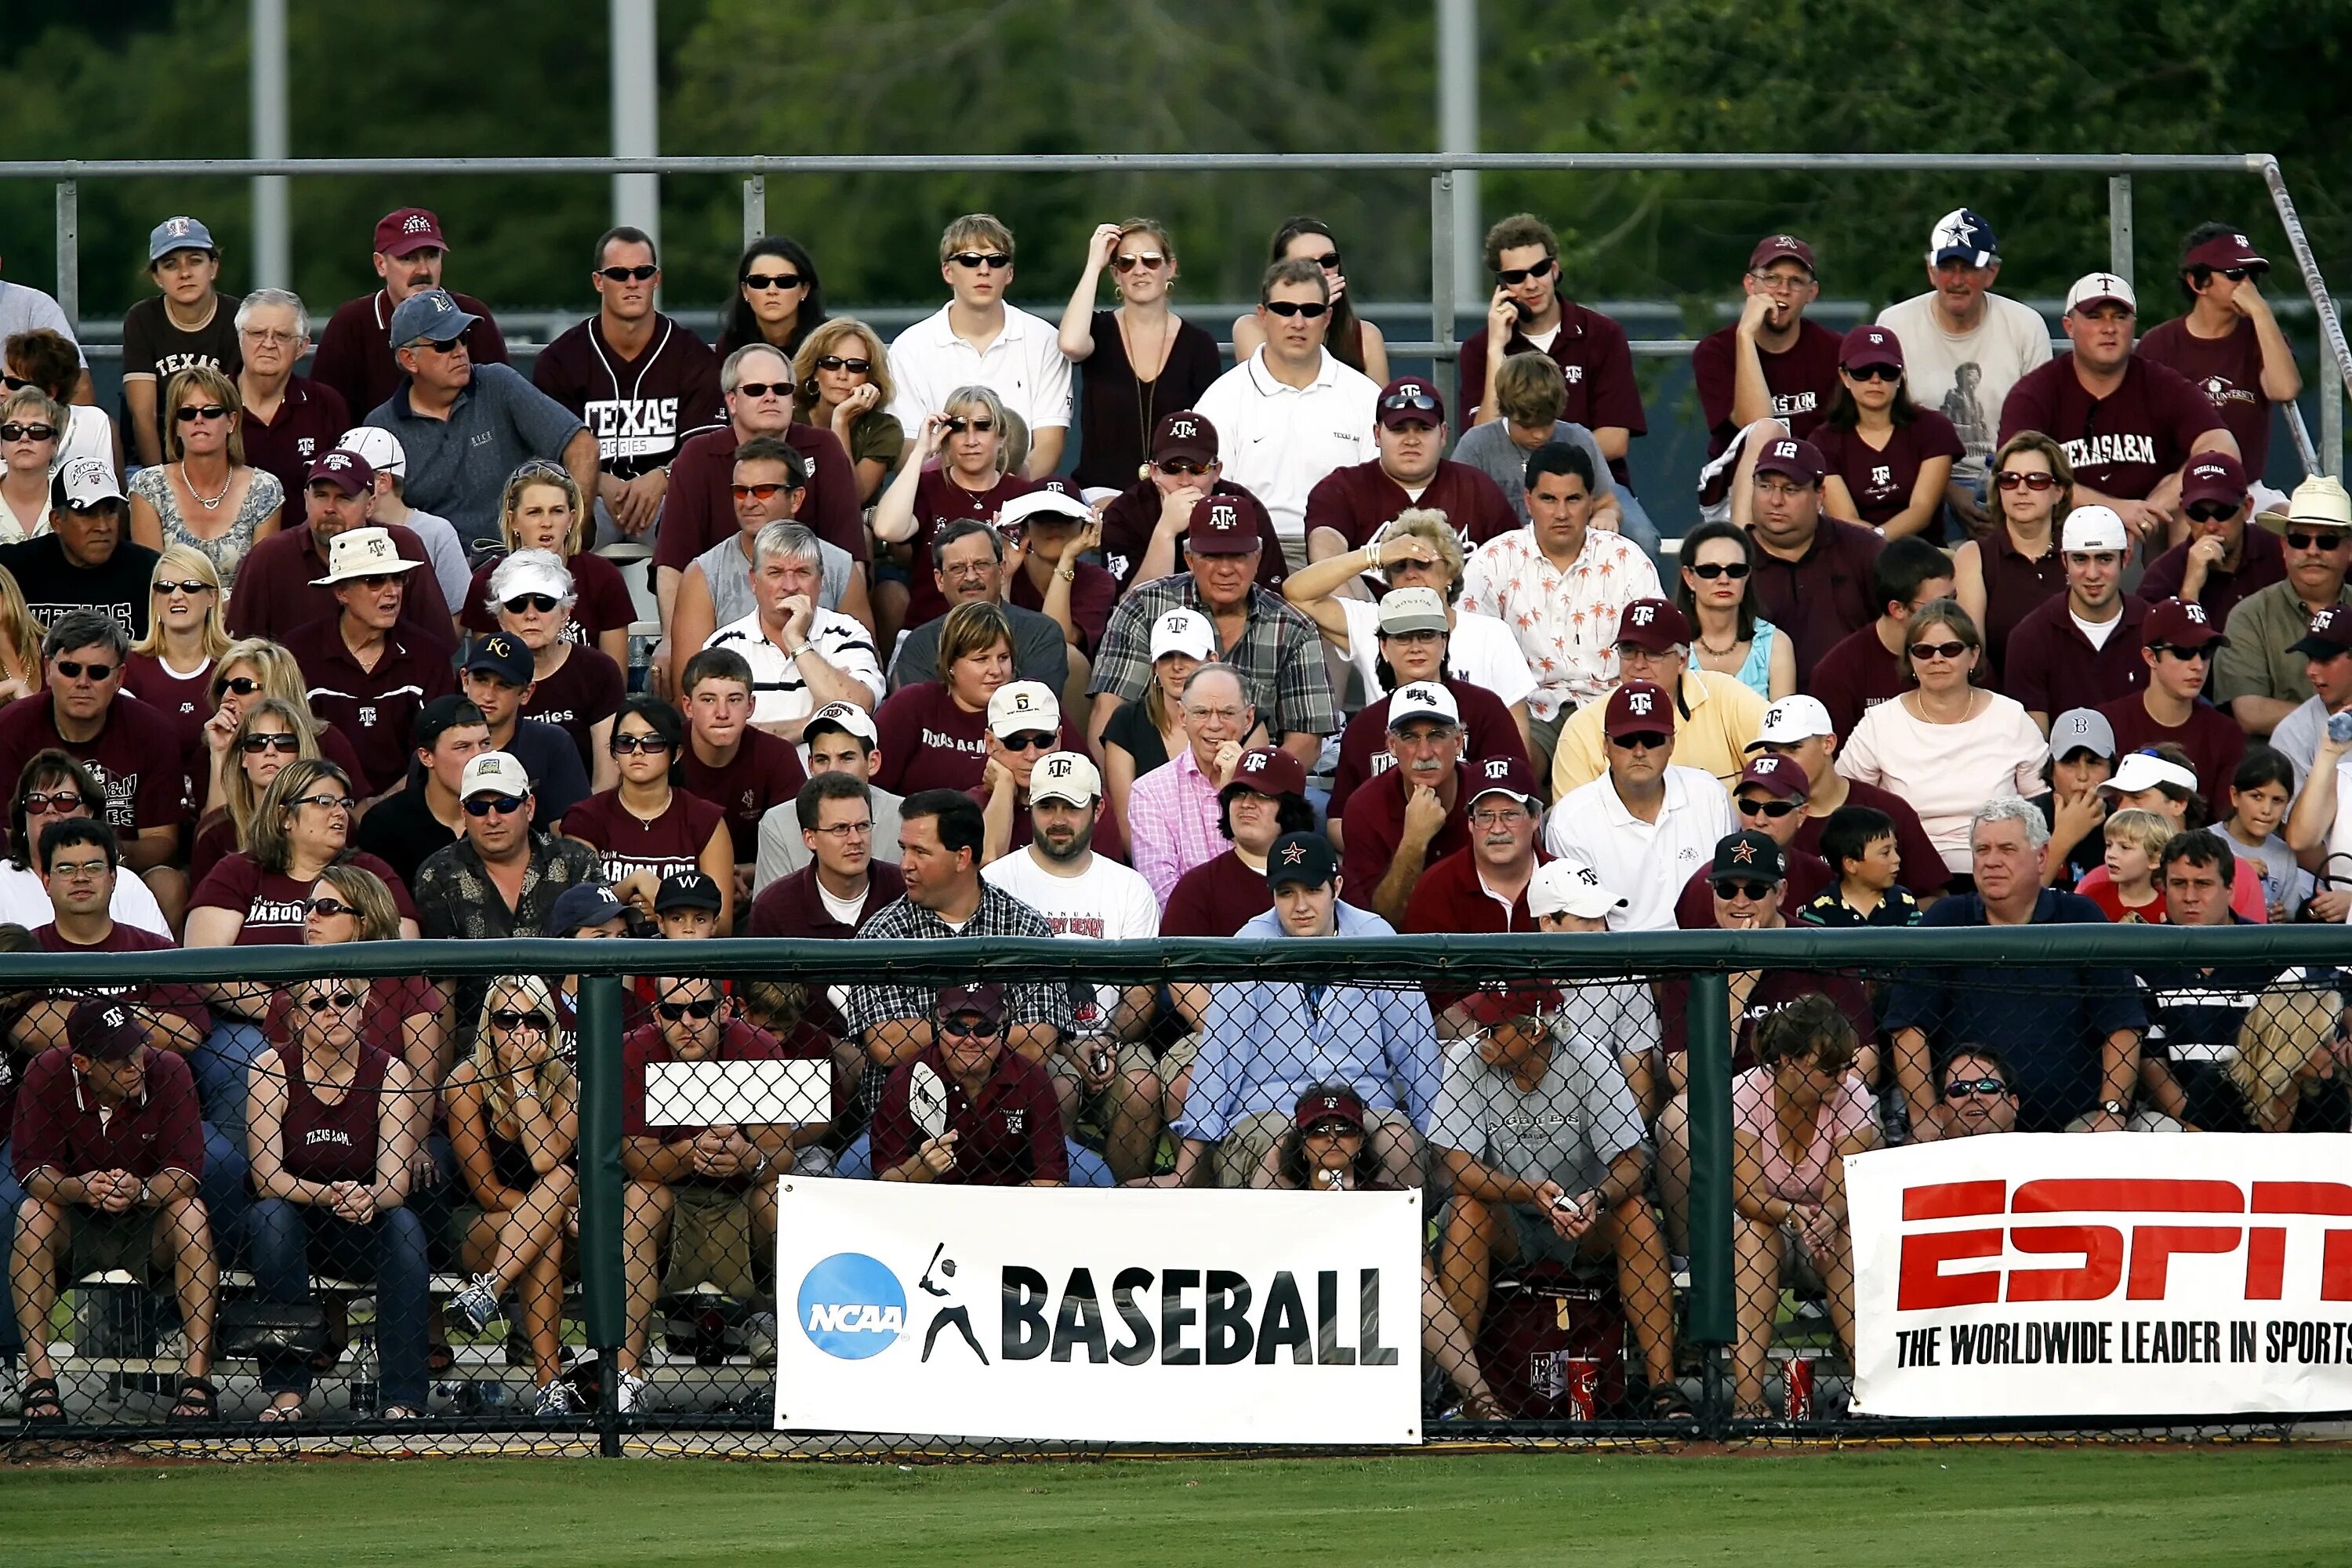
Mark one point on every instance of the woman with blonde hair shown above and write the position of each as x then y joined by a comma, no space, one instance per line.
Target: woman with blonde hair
962,466
541,510
170,668
20,642
204,493
841,380
272,734
32,426
2286,1076
1142,360
514,1124
254,668
2004,576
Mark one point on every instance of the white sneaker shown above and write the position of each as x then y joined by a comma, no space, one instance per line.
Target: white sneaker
760,1338
636,1394
478,1301
556,1399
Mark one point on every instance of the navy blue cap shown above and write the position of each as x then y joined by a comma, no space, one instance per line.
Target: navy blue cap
502,654
588,904
1962,236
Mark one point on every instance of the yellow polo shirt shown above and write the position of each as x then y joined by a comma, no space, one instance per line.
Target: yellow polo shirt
1720,716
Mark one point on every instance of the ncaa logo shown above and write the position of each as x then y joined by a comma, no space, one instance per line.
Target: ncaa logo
852,1307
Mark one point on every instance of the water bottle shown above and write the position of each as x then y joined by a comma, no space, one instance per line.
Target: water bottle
2339,727
363,1385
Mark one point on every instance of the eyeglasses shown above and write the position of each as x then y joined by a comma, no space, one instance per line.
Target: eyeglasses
336,999
764,388
1512,277
1028,740
1775,809
515,1018
759,492
958,425
1782,282
270,337
323,802
1961,1088
764,281
628,745
254,745
12,431
60,801
2011,480
328,908
1754,892
545,604
1184,467
2330,540
1223,715
674,1011
483,805
971,1028
1411,398
202,411
243,685
190,588
973,260
628,274
836,362
1641,740
2211,511
1708,572
841,831
1494,819
1925,650
2185,655
77,870
74,669
1308,308
1335,1130
1875,371
1128,261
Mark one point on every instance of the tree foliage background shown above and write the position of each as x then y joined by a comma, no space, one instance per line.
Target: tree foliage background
115,79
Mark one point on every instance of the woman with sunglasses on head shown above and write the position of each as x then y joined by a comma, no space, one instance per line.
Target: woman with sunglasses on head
1353,341
53,787
842,383
32,425
575,687
645,828
1888,458
541,510
2004,577
960,468
1716,591
333,1125
205,493
1142,360
514,1123
779,299
406,1013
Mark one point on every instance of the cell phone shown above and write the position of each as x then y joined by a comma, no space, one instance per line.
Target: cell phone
1010,533
2339,727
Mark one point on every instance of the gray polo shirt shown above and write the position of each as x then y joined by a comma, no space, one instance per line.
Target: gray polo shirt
1579,1116
457,467
24,309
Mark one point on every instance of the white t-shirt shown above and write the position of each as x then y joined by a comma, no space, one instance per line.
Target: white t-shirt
1278,442
1106,902
2012,340
2097,632
1481,651
1024,366
778,693
1643,863
24,309
24,901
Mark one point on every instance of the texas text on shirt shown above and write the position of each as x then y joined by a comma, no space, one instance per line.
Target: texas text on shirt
639,410
2123,445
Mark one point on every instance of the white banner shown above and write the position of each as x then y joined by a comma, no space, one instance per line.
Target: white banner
2111,1273
1098,1315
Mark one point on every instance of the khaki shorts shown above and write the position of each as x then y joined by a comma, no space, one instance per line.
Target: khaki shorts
126,1241
1246,1145
711,1240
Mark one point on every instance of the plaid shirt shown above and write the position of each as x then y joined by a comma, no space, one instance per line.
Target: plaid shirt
1173,822
456,897
1280,653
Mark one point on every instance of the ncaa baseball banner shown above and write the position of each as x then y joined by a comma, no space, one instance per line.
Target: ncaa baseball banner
1098,1315
2113,1274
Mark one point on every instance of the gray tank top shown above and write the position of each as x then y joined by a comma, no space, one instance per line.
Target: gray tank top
730,576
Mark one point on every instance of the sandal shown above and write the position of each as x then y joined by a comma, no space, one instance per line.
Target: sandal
41,1405
1667,1403
439,1358
199,1401
274,1414
402,1413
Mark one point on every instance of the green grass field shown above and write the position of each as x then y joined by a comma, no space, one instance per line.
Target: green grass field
1953,1508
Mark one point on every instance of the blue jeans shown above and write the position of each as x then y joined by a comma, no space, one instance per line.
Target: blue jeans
1087,1169
221,1066
224,1191
287,1238
1634,522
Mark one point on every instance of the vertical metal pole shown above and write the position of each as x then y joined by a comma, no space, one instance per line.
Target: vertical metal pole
2119,225
755,207
2335,355
1441,271
605,1298
1457,131
69,253
273,243
2331,414
1713,1287
637,116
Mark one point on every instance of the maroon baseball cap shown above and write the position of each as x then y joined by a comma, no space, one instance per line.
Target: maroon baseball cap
1869,345
2180,623
1506,774
1223,525
2330,634
2226,250
1777,776
1334,1101
987,1001
1638,708
1654,625
1185,435
1491,1008
1800,461
2213,476
407,230
102,1029
1411,400
347,471
1271,771
1774,248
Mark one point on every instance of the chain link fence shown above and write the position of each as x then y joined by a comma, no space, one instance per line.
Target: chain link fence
524,1199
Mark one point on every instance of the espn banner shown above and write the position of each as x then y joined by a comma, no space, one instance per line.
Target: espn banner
2111,1273
1098,1315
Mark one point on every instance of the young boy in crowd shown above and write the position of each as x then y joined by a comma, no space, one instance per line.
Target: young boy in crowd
2128,894
1859,843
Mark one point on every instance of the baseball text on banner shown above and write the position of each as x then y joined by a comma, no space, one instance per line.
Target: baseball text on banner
2113,1274
1098,1315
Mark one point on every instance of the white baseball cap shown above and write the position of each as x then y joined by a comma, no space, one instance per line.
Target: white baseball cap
1182,631
1065,776
2093,528
1791,720
361,553
847,717
85,481
1021,507
2099,289
532,571
1565,888
382,450
1020,706
493,773
2146,770
1422,700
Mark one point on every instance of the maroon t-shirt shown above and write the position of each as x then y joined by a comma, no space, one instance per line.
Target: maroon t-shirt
1010,1135
320,1141
377,708
2227,369
1450,897
186,699
1216,897
586,691
1128,523
1487,729
1093,593
929,743
311,417
670,843
1774,990
1825,594
2214,741
57,1124
1802,380
354,353
1808,875
274,592
1855,676
164,996
789,906
1881,480
1923,869
2262,561
1360,499
2016,585
740,1042
2120,445
2053,667
640,409
137,758
272,901
603,604
1595,359
765,772
940,501
699,510
1375,817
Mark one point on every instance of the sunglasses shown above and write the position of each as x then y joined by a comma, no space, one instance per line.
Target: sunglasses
376,580
545,604
16,382
764,389
758,493
514,1018
2236,274
1184,467
2011,480
1128,261
1925,651
1028,740
328,908
202,411
483,805
1335,1130
190,588
628,274
1512,277
764,281
441,345
1754,892
2314,541
1735,570
971,1028
1961,1088
1775,809
59,801
254,745
338,999
973,260
836,362
74,669
674,1011
1308,309
630,745
2211,511
2185,655
1875,371
1411,398
958,425
1328,262
12,431
1643,740
243,685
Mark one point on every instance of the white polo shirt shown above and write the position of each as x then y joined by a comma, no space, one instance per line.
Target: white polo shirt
778,695
1024,366
1643,863
1278,442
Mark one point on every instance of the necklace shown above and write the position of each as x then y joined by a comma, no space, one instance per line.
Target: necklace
1724,652
190,486
1147,393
